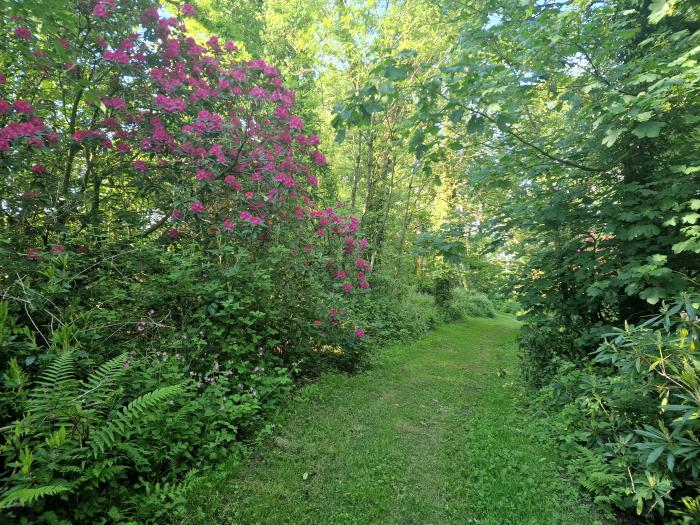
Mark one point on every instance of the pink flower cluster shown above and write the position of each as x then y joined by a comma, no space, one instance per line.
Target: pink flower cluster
33,130
171,104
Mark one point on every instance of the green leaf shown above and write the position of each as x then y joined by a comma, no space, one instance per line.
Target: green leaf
372,107
658,9
689,245
456,115
691,218
475,124
645,116
649,129
611,136
670,462
387,88
395,73
654,454
652,296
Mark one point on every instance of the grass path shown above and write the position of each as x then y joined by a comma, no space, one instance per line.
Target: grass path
429,435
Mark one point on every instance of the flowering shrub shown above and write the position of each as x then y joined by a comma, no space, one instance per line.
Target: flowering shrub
153,129
159,215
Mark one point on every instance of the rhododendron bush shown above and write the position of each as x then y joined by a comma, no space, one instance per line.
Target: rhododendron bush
159,204
127,127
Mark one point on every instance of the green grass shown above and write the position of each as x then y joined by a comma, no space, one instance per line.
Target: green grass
429,435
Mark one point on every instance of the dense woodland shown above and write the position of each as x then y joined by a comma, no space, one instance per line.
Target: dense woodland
204,206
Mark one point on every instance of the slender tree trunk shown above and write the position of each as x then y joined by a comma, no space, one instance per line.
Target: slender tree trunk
378,246
404,226
356,171
370,169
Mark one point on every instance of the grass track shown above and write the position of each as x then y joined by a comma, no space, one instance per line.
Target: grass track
429,435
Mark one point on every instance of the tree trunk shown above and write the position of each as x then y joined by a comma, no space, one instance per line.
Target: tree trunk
406,217
356,171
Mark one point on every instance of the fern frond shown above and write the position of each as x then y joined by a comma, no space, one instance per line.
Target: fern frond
119,426
99,387
54,396
21,495
59,371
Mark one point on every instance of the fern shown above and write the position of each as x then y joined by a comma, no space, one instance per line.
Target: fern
54,397
100,387
59,371
21,495
119,426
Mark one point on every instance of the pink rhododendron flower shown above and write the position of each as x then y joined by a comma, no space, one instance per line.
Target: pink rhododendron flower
33,254
116,103
318,158
141,166
171,104
176,214
295,122
56,249
317,322
99,10
22,106
174,233
119,56
4,107
204,175
23,33
312,180
197,207
189,10
308,248
228,225
359,333
347,287
38,168
233,182
333,313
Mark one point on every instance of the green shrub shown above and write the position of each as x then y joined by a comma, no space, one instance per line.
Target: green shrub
397,315
543,342
628,420
469,303
508,306
110,438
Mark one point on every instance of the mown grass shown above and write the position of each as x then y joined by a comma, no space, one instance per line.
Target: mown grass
434,433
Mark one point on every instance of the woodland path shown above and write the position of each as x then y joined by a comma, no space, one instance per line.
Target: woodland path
434,433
